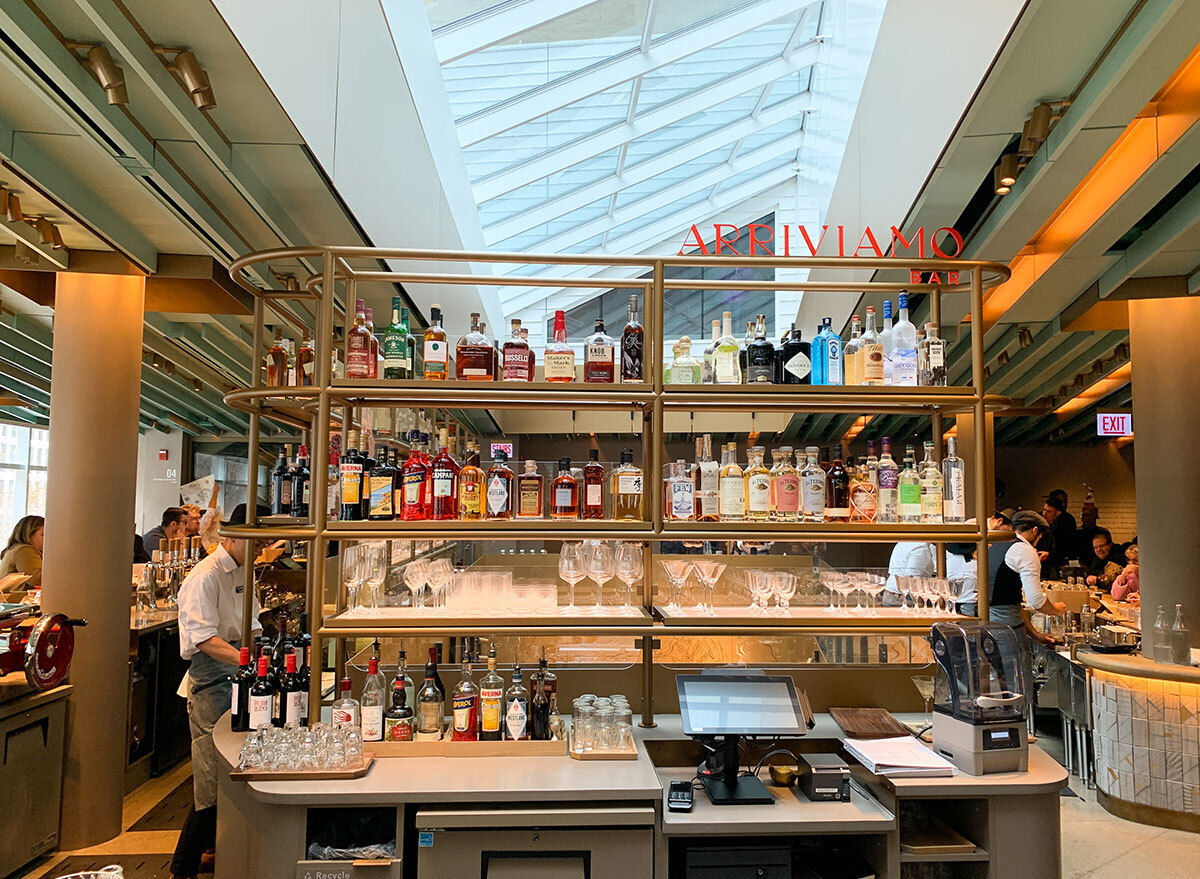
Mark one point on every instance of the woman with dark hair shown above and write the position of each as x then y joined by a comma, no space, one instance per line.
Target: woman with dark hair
23,555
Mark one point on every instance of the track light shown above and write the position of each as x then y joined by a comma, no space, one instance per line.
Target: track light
1025,337
999,187
1008,169
197,385
45,230
12,207
107,73
987,373
1122,351
56,241
1027,146
156,361
1039,123
1002,359
195,80
24,253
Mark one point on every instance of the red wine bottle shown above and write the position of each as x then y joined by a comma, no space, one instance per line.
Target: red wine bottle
291,707
243,680
262,697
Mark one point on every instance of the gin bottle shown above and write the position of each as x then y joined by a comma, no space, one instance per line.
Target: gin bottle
727,369
931,488
910,489
885,340
812,487
954,484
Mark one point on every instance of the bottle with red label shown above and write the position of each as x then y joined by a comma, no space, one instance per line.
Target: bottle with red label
261,708
291,693
444,481
464,703
360,350
398,719
346,710
517,357
414,502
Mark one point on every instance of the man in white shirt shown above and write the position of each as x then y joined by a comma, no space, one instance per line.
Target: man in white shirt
210,631
909,559
1018,586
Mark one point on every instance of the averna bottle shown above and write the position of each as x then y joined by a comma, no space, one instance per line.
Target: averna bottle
491,701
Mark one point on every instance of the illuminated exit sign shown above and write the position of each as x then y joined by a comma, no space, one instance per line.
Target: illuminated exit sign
1114,424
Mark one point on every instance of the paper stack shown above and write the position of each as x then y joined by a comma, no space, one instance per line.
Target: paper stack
900,757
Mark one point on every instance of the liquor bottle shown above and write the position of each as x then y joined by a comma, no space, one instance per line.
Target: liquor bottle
633,345
726,365
837,492
445,481
864,495
785,483
398,719
431,704
852,353
516,709
261,701
681,493
626,488
1180,642
834,364
933,359
281,483
239,705
593,487
954,484
742,363
599,353
474,356
758,486
685,369
904,348
889,486
346,710
304,658
531,502
760,355
464,706
872,465
373,360
333,484
539,713
380,485
932,489
435,348
795,359
909,489
397,344
818,355
470,489
491,701
498,496
350,468
870,352
1161,638
885,341
415,505
402,673
564,492
706,375
708,484
358,345
301,485
276,361
517,357
733,487
305,361
372,702
288,701
560,357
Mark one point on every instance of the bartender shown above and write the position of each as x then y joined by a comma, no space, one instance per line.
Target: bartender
210,631
1017,587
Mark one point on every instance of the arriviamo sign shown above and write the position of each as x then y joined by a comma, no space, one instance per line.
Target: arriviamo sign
798,241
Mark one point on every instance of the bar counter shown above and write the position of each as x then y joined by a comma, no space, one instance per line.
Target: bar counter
606,806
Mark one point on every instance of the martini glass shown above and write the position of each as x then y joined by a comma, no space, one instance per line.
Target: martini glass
709,572
677,571
924,685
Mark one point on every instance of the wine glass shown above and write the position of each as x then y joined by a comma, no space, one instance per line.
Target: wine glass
709,572
905,586
571,569
440,572
355,572
677,571
377,570
858,579
783,584
600,568
629,566
924,685
760,590
416,574
828,580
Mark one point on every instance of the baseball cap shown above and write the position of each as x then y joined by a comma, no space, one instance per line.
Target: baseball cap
1029,517
238,516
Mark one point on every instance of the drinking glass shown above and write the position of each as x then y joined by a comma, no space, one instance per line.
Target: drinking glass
828,579
708,572
924,685
416,574
571,569
905,586
875,585
377,569
760,590
440,572
783,585
858,579
600,568
355,572
629,566
677,571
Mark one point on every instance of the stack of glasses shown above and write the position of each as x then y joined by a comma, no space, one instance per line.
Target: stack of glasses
601,724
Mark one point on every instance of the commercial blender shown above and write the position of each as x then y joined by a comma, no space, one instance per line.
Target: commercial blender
980,698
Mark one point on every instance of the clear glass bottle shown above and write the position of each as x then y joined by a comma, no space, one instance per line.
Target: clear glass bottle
852,353
837,492
709,349
564,492
758,486
931,488
436,356
517,365
344,712
933,359
633,345
871,352
372,703
864,495
885,340
954,484
888,481
833,361
733,486
685,369
904,348
1181,645
1161,639
531,501
708,483
909,485
516,709
812,487
785,485
760,355
727,369
682,497
599,356
373,360
560,357
626,489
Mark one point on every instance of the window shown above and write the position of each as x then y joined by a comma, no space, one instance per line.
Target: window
24,454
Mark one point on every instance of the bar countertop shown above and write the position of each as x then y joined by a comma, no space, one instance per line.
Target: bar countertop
1138,666
154,619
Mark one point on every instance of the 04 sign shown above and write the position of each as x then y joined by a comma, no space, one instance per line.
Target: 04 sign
1114,424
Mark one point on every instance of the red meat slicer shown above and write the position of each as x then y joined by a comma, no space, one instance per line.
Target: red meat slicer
41,645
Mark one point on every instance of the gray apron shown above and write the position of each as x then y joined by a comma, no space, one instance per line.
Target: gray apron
207,701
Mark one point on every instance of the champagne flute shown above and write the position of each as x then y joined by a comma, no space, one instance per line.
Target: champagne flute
629,566
354,571
377,571
709,572
572,570
600,568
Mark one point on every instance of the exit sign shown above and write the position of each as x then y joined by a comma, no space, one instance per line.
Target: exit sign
1114,424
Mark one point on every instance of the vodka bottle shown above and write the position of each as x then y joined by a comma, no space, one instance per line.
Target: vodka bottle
885,339
372,703
904,351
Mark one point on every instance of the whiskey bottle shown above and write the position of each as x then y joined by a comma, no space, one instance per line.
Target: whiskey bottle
436,352
760,355
785,487
837,492
444,481
470,489
516,709
277,361
380,488
564,492
758,486
888,480
633,345
398,719
593,487
306,358
397,344
464,704
491,701
518,357
599,352
474,355
358,345
499,497
708,484
560,357
530,492
350,468
626,488
733,486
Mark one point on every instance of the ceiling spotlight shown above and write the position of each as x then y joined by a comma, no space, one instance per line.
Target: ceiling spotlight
1039,123
196,80
1027,146
107,73
1008,169
12,207
156,361
1078,384
1025,337
197,385
56,241
1000,187
169,367
1002,359
1121,351
45,230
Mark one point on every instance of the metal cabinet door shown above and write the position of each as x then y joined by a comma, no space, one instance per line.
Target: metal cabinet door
31,768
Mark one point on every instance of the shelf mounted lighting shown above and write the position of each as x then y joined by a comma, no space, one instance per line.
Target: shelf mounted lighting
1009,169
108,74
195,79
12,206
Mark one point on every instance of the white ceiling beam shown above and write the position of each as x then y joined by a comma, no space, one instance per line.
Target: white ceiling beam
666,114
671,194
644,171
501,22
530,105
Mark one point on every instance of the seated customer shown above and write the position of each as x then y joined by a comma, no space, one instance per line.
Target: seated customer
173,525
23,555
1127,587
1107,564
910,558
962,565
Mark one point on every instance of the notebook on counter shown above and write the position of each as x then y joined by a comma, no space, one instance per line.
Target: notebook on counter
899,757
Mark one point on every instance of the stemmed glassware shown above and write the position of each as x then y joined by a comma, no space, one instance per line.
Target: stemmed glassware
829,579
874,585
416,573
355,572
760,590
571,568
600,569
677,571
440,571
629,567
377,569
708,572
783,584
924,685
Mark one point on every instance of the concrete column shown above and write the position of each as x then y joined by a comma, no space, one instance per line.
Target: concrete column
95,386
1166,422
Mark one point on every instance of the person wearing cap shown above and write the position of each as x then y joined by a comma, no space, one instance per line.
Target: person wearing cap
1059,546
1017,586
210,631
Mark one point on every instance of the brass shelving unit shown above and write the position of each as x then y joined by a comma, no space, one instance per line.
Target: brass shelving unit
315,407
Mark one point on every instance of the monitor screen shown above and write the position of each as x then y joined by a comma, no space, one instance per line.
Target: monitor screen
739,704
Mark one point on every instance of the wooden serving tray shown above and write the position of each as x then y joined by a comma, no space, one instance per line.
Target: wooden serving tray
304,774
868,723
629,754
450,748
